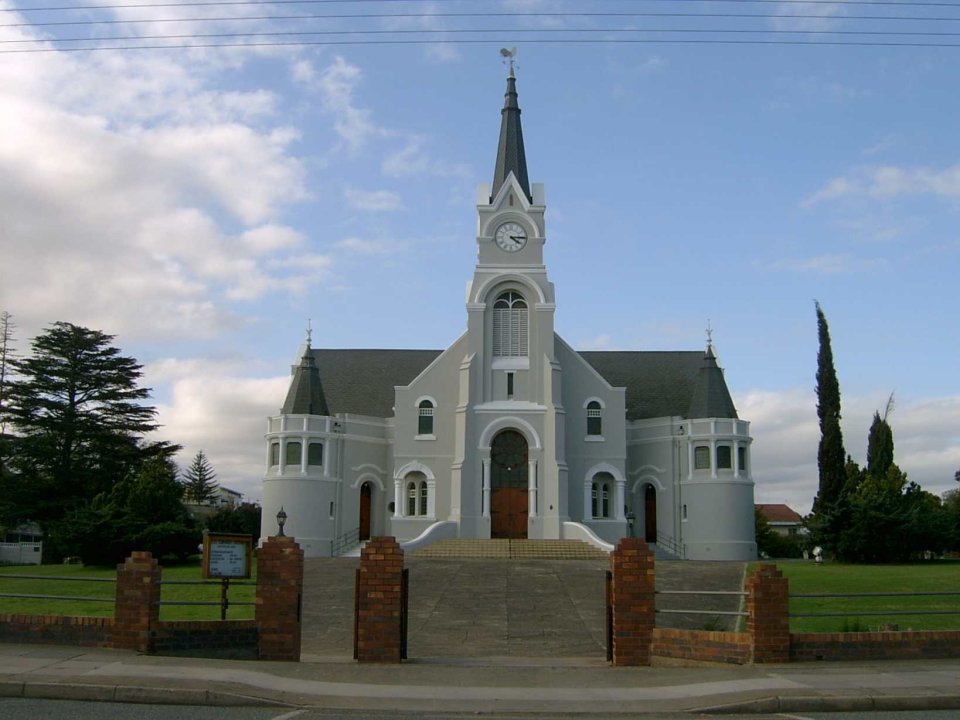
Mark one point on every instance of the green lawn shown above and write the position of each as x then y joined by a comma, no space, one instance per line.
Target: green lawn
83,584
807,577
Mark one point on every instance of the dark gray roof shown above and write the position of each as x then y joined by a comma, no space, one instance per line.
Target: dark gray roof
306,396
510,154
710,395
659,384
362,381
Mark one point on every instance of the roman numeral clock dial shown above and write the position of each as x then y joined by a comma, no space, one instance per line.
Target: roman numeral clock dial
511,237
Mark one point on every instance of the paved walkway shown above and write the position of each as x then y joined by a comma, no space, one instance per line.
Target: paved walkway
489,685
506,608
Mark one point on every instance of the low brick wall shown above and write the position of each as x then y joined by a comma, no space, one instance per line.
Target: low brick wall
702,645
908,645
56,630
223,639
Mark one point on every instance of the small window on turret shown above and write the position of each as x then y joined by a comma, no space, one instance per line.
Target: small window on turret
742,459
701,458
294,452
274,453
724,457
315,453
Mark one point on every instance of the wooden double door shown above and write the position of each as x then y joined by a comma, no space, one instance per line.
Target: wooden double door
509,485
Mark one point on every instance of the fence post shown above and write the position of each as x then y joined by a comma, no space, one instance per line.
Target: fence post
136,609
768,622
632,602
379,610
279,598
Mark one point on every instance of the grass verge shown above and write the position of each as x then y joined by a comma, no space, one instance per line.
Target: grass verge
81,581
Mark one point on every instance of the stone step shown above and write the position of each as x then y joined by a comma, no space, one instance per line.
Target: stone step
511,549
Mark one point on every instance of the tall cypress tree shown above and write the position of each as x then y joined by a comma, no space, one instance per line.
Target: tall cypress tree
880,444
831,457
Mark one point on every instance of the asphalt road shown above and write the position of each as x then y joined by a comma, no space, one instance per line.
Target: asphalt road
18,709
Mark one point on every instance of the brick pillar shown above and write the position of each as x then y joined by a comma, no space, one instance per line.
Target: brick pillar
634,612
279,598
379,599
768,605
136,610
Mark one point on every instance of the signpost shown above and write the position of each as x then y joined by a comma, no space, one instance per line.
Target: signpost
226,557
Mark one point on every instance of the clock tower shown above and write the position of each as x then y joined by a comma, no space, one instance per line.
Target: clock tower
511,411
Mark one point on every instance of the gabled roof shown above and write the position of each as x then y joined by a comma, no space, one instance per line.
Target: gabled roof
779,514
659,384
511,157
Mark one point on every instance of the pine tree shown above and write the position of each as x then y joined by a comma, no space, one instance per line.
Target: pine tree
198,480
78,418
831,457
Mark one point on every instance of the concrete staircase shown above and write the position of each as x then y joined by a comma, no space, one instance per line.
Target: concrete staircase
461,549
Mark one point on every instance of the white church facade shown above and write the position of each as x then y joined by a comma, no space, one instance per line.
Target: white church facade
509,432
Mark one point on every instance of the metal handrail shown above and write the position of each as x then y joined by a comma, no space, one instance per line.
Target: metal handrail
671,545
347,540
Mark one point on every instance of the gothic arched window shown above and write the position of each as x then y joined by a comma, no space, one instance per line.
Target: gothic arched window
510,325
594,418
425,418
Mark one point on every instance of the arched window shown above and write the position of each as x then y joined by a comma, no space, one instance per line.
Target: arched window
425,419
510,325
417,495
594,418
293,454
601,494
411,499
423,497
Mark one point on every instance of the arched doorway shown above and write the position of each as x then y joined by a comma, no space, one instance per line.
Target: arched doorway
366,502
508,485
649,513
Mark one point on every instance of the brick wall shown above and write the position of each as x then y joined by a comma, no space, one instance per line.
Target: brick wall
768,608
379,633
136,611
702,645
908,645
632,600
223,639
279,598
56,630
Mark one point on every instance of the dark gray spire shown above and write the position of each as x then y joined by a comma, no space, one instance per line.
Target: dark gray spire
510,155
711,398
305,396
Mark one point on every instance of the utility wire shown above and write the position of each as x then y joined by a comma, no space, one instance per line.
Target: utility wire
424,16
631,31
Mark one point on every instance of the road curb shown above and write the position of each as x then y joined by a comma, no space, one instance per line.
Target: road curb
835,703
133,694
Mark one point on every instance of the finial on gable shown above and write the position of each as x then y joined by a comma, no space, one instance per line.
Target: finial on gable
709,338
309,334
509,58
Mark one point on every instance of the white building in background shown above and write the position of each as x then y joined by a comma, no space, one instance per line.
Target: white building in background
509,432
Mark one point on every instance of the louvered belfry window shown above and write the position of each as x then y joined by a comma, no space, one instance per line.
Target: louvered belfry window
510,325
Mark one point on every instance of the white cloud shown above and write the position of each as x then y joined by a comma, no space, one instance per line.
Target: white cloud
360,246
336,85
414,159
823,264
374,200
808,18
786,433
890,181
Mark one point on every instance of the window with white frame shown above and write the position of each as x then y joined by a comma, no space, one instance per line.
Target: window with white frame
315,453
594,418
417,495
701,457
724,457
293,453
510,325
425,418
274,453
742,459
601,494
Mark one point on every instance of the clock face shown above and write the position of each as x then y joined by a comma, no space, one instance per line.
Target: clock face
511,237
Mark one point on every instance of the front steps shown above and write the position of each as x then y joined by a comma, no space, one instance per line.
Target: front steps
466,549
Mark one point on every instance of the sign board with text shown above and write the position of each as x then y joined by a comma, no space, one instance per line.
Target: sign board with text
227,556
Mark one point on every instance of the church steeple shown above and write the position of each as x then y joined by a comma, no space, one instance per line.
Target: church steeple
711,398
510,155
305,396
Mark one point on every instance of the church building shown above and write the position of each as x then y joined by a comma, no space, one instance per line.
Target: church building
510,432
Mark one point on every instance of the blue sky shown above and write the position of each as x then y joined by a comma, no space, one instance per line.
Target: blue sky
202,204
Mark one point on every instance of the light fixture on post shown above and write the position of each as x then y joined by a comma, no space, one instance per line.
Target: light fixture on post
281,521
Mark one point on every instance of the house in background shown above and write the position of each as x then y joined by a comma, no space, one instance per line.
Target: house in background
782,519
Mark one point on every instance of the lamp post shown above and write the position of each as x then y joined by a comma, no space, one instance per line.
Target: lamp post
281,521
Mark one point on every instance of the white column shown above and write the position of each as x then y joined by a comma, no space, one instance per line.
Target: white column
713,458
690,460
486,488
736,458
621,499
532,488
397,497
303,453
588,499
283,454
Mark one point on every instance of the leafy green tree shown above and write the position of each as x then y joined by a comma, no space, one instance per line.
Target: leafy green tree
199,480
141,512
831,458
78,415
244,519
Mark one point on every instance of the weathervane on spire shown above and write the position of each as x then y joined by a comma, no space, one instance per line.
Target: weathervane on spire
309,334
509,57
709,335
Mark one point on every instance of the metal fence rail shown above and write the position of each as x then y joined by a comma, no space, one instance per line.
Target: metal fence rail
38,596
875,613
700,593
